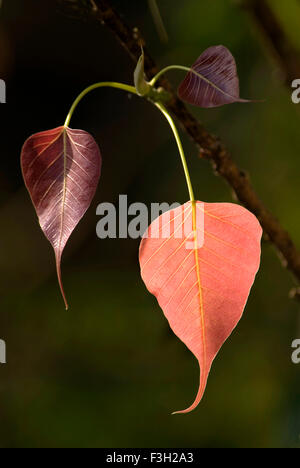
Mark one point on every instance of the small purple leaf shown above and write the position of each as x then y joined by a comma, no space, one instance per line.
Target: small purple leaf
61,170
213,80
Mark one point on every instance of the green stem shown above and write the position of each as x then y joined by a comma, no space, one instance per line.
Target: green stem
171,67
131,89
109,84
180,147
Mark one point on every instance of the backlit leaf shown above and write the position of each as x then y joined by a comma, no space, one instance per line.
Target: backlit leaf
214,80
61,169
202,277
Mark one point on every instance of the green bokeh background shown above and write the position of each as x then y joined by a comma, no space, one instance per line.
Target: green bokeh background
109,372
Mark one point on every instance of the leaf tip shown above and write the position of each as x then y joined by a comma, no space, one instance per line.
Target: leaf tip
188,410
58,270
176,412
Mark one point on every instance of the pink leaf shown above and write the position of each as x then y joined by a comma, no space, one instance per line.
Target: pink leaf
61,169
215,82
202,291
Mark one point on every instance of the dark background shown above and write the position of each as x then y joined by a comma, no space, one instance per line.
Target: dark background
109,372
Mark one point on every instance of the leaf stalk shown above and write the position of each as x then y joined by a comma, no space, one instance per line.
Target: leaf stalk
109,84
156,97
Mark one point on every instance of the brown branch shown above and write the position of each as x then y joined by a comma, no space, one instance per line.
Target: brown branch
287,57
209,146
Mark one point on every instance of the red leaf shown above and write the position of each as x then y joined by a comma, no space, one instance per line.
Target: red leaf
216,82
203,290
61,169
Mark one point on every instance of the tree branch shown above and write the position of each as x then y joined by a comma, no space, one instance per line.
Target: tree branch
287,57
210,147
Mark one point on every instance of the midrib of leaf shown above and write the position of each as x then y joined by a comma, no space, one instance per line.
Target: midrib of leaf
62,215
64,188
200,295
213,85
194,207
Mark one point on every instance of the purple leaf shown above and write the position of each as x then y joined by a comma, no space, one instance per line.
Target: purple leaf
214,80
61,169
